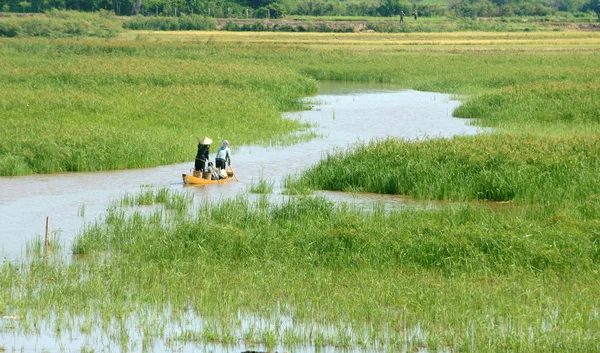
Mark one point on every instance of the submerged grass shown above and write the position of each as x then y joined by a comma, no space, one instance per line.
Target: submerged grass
262,186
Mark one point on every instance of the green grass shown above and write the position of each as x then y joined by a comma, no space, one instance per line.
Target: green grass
458,239
262,186
131,112
464,276
452,23
498,167
59,24
91,105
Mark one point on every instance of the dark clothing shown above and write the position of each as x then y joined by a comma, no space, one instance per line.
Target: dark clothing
200,165
201,157
220,163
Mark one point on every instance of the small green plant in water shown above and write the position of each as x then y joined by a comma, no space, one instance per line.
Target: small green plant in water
263,186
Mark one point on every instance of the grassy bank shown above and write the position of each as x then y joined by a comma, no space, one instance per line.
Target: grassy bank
498,167
544,150
84,105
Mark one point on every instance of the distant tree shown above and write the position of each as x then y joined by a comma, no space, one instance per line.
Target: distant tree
260,3
393,7
569,5
474,8
594,5
137,5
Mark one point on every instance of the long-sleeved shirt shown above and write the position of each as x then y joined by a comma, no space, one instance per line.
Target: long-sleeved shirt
224,153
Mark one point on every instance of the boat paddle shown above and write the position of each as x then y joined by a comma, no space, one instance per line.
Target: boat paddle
233,172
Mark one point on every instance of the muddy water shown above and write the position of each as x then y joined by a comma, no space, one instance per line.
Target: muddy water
343,115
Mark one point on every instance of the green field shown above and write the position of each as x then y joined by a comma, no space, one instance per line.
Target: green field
85,105
467,275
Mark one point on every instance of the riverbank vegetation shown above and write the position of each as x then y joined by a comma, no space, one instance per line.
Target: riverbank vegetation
308,272
467,275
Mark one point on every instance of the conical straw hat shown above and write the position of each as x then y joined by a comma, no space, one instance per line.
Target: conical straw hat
205,141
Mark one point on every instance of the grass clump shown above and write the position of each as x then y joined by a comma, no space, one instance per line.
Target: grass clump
499,167
262,186
568,105
60,24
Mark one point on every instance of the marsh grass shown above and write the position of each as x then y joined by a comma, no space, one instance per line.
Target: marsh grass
348,278
460,277
295,186
148,196
499,167
548,103
128,113
91,105
262,186
81,210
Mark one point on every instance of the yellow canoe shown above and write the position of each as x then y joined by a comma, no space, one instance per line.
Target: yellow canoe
190,179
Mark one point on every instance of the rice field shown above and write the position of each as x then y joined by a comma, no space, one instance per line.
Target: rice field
159,269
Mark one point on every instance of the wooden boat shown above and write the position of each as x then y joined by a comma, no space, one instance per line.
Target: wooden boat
190,179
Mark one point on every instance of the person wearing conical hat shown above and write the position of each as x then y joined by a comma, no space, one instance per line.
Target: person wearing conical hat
202,155
223,155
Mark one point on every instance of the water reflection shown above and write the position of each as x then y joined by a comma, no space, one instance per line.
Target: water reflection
343,113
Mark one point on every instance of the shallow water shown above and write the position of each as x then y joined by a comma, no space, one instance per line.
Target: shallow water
344,114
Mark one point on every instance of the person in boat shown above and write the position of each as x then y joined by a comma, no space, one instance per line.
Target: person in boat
202,155
223,155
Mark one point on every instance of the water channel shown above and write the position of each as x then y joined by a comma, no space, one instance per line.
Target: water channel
342,114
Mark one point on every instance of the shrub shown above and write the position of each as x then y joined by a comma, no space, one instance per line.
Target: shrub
136,23
197,23
152,23
9,28
58,24
324,28
184,23
231,26
283,28
259,27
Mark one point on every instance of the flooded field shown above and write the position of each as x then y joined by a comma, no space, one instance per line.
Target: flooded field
342,114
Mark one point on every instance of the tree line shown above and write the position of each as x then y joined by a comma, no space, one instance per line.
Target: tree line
279,8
